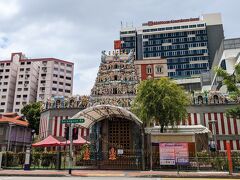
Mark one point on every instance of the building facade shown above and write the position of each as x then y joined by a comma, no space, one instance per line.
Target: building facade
26,84
189,45
57,109
24,80
8,76
151,68
14,133
55,79
227,57
208,110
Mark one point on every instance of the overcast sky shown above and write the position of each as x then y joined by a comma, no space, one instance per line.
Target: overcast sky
78,30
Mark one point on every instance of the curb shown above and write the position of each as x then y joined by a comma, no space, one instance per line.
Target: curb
187,177
34,175
126,174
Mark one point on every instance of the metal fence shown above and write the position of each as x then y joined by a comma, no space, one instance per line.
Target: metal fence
130,161
210,162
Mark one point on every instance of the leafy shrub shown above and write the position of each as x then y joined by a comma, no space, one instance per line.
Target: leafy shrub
48,159
219,163
10,159
21,158
35,157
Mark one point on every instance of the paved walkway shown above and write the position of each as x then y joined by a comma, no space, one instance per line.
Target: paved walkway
112,173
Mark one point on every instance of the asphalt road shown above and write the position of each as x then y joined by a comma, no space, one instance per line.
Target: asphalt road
97,178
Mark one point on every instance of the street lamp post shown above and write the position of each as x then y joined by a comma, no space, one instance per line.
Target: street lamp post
213,122
9,135
70,149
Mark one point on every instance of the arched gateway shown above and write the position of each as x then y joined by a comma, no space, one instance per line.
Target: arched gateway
116,137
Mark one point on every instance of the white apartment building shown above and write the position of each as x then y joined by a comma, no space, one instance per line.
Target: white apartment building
55,79
26,84
24,80
8,75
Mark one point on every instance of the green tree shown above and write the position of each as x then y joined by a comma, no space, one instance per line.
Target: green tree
32,114
161,101
231,81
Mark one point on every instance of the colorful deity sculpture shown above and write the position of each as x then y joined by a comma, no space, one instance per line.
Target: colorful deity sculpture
116,80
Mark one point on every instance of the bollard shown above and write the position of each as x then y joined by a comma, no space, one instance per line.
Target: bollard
27,159
59,157
1,155
177,166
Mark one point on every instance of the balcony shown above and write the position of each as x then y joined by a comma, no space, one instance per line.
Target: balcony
44,69
44,63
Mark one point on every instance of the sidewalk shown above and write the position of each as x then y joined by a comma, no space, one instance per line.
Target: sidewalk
113,173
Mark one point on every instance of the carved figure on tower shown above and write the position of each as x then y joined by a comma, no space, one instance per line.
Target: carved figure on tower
116,80
103,57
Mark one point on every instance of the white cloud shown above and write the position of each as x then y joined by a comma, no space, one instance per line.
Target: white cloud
8,9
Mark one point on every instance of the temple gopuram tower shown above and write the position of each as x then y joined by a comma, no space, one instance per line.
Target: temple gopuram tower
116,80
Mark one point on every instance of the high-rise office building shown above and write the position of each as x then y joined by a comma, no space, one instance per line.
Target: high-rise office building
189,45
24,80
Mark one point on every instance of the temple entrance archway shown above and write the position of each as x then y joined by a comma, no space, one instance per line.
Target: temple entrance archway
116,138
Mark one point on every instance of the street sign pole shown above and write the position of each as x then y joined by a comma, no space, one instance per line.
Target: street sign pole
71,122
70,149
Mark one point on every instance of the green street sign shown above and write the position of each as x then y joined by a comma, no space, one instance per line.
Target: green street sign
64,121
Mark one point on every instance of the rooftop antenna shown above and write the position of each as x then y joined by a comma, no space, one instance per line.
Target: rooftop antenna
121,24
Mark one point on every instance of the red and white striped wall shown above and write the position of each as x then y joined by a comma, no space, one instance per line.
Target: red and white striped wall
227,128
43,127
56,128
224,126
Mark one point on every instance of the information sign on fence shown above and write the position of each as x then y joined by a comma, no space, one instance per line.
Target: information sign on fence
173,153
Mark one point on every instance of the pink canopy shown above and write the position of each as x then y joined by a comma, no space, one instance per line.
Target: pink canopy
58,141
47,142
78,141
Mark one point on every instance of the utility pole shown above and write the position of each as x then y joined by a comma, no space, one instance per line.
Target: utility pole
213,122
70,149
9,135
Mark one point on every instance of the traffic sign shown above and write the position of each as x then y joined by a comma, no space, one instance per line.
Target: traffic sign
64,121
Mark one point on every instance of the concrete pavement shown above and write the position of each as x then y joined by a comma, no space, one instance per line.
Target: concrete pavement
115,173
94,178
